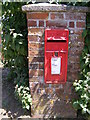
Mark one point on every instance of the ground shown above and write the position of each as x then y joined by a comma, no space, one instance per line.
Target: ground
11,107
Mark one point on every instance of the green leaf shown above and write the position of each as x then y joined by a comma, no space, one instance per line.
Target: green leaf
88,111
13,47
17,47
76,105
30,100
27,107
84,33
87,41
85,49
82,64
88,25
84,110
7,39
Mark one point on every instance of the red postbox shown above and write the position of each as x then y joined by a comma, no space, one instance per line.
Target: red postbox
56,55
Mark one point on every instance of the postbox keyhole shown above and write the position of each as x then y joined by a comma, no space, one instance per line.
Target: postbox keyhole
56,54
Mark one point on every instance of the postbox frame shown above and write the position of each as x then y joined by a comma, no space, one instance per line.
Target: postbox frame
60,52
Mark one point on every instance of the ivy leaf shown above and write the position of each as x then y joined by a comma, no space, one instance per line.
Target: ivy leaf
84,110
88,25
29,99
7,39
17,47
27,106
89,48
15,35
85,49
13,46
76,105
87,60
82,64
87,41
88,111
84,33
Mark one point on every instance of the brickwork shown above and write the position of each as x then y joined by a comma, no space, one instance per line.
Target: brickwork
0,40
53,100
0,49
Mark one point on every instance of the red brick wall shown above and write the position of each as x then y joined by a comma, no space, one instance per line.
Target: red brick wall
0,40
51,100
0,48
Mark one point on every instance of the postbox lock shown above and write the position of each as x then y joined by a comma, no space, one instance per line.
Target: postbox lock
56,54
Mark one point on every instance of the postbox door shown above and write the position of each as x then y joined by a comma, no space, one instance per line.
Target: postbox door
56,40
55,68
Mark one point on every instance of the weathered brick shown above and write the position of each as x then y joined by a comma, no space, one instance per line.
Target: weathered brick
35,38
32,23
41,85
33,79
35,46
73,76
76,66
75,16
38,15
71,24
41,23
73,71
73,67
59,91
36,31
41,65
36,59
66,96
56,23
56,15
50,90
76,31
77,44
60,86
32,53
47,90
33,66
74,59
76,37
35,53
37,72
80,24
67,87
67,110
33,84
75,51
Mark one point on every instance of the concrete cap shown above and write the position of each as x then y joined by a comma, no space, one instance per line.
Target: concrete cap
46,7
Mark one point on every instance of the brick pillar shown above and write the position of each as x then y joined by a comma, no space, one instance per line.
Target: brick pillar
53,100
0,29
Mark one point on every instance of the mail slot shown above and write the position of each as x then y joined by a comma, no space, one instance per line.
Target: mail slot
56,55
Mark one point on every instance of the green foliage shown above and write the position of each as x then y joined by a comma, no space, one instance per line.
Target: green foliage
23,94
82,86
83,89
14,44
14,49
